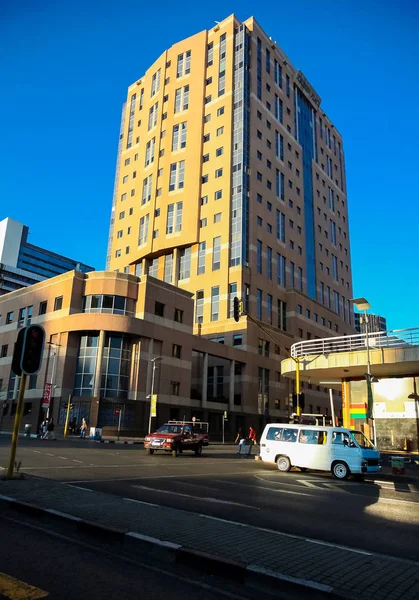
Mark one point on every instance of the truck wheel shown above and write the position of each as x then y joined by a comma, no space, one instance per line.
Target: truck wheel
149,451
340,470
176,451
198,450
283,464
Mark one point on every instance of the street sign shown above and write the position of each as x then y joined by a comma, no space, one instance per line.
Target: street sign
46,398
154,405
117,411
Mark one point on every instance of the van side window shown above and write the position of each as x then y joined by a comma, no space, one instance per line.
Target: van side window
274,433
310,436
339,436
289,435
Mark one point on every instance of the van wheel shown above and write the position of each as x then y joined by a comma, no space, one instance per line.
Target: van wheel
340,470
283,463
176,451
198,450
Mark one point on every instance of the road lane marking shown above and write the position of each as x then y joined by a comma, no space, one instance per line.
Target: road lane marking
78,487
142,502
48,454
36,451
77,461
14,589
140,478
258,487
213,500
63,457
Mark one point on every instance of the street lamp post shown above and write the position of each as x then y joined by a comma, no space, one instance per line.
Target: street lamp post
54,360
363,305
153,360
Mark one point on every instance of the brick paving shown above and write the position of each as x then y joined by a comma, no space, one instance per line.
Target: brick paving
351,574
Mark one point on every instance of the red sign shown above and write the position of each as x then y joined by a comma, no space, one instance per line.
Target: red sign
117,411
46,398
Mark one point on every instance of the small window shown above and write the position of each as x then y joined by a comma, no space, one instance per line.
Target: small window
3,351
218,195
237,340
159,309
43,307
32,382
204,200
174,388
176,351
220,130
9,317
220,111
58,303
217,218
178,316
219,151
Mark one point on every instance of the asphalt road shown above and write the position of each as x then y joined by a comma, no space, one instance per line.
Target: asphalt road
38,564
375,515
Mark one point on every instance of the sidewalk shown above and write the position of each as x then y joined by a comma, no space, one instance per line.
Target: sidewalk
252,556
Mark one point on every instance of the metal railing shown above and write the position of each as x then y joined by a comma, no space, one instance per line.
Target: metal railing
396,338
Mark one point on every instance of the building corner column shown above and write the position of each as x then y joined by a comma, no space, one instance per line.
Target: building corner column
94,408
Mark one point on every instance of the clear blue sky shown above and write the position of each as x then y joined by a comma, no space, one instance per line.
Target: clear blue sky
66,67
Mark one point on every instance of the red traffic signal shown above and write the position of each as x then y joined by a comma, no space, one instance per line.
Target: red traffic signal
33,349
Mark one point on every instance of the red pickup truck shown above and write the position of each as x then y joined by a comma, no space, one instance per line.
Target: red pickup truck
177,436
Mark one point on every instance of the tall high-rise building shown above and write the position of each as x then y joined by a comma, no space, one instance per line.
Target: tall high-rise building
375,323
230,181
23,264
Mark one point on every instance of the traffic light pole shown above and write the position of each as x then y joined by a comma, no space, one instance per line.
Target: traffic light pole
18,420
67,415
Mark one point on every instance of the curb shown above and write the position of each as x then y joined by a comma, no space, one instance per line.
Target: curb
136,544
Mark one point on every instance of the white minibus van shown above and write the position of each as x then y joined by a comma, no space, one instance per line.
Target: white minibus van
341,451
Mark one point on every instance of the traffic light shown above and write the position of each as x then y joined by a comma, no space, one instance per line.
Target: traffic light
33,348
236,309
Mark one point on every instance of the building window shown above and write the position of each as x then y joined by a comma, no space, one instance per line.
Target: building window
143,235
22,316
259,304
217,218
181,99
279,109
168,268
3,350
153,115
176,351
147,187
199,306
179,136
269,262
184,263
159,309
270,303
281,270
215,302
178,315
219,151
280,226
183,64
259,256
218,173
210,54
177,175
58,303
278,74
216,253
174,388
220,130
218,195
43,307
220,111
150,151
201,257
9,317
237,340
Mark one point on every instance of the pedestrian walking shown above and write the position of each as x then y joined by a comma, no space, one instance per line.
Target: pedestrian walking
73,425
83,428
239,435
252,440
44,428
242,443
50,430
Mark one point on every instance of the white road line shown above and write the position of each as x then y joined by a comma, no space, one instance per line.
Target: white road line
48,454
63,457
140,478
258,487
77,461
36,451
78,487
213,500
141,502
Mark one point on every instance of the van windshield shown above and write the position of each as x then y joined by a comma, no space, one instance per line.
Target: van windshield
362,440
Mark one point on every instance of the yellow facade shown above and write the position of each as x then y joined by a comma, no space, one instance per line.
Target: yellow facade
196,218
